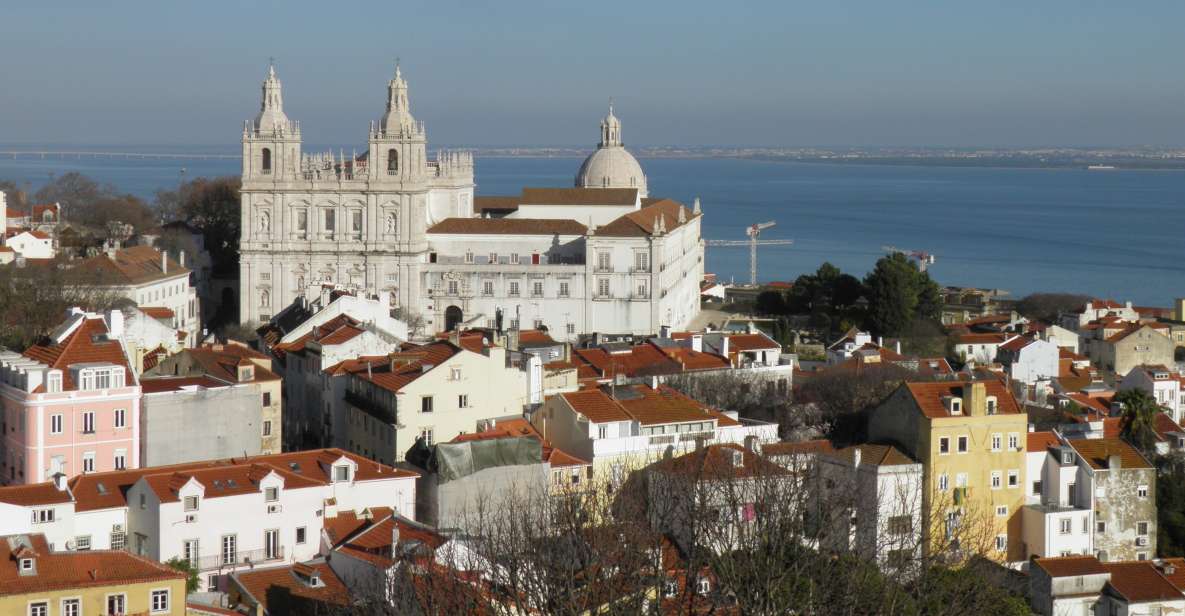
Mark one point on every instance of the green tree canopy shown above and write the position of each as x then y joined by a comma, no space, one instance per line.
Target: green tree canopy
1139,419
898,294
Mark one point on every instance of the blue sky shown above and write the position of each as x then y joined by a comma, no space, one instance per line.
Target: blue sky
836,72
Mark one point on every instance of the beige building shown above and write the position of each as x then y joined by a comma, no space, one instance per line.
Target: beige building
37,581
1117,349
970,437
435,391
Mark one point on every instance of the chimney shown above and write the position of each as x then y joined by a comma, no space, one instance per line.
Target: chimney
897,347
394,536
697,343
975,399
654,382
664,332
880,341
751,443
856,455
114,324
181,258
724,346
59,481
1114,462
164,262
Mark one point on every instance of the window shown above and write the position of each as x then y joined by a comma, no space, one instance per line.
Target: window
452,287
88,422
537,288
53,383
571,328
602,431
487,287
1100,527
267,398
1013,478
267,160
997,442
300,535
494,258
116,604
1065,526
991,406
603,262
88,462
271,543
463,401
120,462
670,588
392,161
703,586
271,495
356,222
267,427
962,444
642,261
602,287
513,291
120,418
426,404
1141,556
1142,491
563,289
1085,526
1141,528
191,503
1001,543
41,608
1013,442
55,423
1037,488
229,549
71,607
1002,511
341,472
82,542
26,564
189,551
943,482
426,434
119,540
330,221
642,288
997,480
454,374
160,600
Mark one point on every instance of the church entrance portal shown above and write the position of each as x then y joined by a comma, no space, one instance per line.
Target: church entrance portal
452,318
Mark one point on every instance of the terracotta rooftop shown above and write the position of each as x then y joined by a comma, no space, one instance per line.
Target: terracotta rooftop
1097,451
508,226
160,384
792,448
157,312
412,363
482,203
57,571
136,265
337,330
105,490
929,396
1041,441
293,581
719,462
579,196
88,343
596,405
45,493
519,427
641,222
872,454
1140,582
1070,566
980,339
370,538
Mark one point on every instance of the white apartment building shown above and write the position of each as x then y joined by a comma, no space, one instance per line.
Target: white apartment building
625,428
31,245
1166,386
223,515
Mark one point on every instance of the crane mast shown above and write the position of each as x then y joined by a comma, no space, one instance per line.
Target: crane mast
754,233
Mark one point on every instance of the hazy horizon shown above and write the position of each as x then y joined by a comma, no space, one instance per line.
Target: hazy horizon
1063,73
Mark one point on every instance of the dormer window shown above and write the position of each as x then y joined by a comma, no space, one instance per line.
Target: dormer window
191,503
271,495
992,406
53,382
341,472
27,565
953,405
246,373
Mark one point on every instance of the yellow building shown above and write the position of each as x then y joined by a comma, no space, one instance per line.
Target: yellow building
36,581
970,438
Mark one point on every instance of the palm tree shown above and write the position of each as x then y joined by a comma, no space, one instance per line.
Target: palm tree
1139,418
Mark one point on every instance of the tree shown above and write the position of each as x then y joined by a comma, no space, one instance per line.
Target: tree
212,205
1046,306
18,197
1139,419
191,573
770,302
78,194
34,300
898,293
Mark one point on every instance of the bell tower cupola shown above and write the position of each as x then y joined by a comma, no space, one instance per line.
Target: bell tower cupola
398,143
271,142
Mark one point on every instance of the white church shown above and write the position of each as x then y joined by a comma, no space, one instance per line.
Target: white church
602,256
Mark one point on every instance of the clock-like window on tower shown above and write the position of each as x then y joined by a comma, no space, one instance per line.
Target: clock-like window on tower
267,160
392,161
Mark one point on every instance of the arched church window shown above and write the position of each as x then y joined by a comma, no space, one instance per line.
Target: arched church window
267,160
392,161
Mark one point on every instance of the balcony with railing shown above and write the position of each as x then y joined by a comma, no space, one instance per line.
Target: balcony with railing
242,558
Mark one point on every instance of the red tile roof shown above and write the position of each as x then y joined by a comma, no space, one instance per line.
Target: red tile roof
928,396
980,339
370,538
159,384
596,405
514,428
58,571
407,365
719,462
1070,566
1097,452
579,196
135,265
157,312
1041,441
508,226
337,330
88,343
641,222
1140,582
105,490
45,493
293,580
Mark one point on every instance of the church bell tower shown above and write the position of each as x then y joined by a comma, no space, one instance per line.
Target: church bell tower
271,142
397,142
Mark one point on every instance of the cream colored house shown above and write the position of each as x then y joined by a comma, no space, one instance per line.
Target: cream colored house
435,391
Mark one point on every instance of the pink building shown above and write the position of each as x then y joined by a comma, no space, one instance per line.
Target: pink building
71,404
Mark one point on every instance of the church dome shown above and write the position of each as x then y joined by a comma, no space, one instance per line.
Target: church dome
611,165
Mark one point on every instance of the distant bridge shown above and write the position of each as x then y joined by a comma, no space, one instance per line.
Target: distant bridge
63,154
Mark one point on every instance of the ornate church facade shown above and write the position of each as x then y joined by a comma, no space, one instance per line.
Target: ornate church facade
601,256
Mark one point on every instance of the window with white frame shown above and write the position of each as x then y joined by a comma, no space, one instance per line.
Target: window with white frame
117,604
1002,511
88,422
537,288
603,262
55,423
1001,543
563,292
487,287
39,608
427,435
997,480
494,258
997,441
642,261
452,287
1142,528
703,586
271,494
230,549
120,461
82,543
513,289
943,482
514,258
341,472
469,256
1142,491
121,418
88,462
53,382
463,401
1013,441
1065,526
602,287
191,503
71,607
